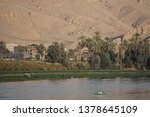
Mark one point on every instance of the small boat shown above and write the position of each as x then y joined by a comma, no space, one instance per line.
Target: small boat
100,93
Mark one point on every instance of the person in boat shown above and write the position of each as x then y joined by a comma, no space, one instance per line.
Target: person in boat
100,92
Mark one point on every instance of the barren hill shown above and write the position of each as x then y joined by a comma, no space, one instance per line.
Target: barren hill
35,21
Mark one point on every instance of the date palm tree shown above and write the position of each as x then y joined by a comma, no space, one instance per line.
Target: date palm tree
41,49
122,48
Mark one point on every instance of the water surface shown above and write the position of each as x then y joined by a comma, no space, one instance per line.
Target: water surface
77,88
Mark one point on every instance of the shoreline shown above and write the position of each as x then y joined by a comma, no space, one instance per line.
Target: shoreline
66,74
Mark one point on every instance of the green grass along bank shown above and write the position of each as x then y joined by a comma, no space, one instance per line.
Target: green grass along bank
15,71
47,75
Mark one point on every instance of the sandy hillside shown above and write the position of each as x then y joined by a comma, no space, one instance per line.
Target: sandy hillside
35,21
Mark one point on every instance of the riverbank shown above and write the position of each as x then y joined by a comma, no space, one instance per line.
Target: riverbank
10,76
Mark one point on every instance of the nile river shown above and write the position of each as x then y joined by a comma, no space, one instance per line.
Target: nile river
78,89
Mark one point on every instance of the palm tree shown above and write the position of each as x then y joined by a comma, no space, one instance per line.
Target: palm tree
122,48
97,36
41,49
82,41
57,54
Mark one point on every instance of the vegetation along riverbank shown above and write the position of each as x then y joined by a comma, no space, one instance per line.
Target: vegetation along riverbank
94,57
64,74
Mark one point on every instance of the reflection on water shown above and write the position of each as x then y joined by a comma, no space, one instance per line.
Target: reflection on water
75,88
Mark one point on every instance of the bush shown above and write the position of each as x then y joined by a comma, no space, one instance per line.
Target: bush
29,65
80,66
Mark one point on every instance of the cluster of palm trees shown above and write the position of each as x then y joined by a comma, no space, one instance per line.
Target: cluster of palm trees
56,54
104,53
137,52
129,53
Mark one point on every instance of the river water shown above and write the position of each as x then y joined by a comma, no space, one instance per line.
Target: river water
78,89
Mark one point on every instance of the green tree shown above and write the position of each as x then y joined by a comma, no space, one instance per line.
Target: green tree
97,36
41,49
71,53
128,62
113,57
90,44
82,42
107,45
148,63
99,42
3,48
96,46
2,45
57,54
105,60
96,62
121,55
138,51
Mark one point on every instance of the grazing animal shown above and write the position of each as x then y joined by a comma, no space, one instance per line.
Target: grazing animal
27,75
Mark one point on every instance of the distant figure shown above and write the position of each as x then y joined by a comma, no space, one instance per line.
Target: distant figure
27,75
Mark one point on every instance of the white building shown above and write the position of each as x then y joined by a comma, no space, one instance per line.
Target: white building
10,46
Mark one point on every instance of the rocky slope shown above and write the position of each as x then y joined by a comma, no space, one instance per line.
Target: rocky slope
35,21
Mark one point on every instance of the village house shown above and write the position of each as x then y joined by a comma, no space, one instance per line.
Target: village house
10,47
82,54
8,55
25,52
32,51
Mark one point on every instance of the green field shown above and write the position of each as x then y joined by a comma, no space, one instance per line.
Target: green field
15,71
9,76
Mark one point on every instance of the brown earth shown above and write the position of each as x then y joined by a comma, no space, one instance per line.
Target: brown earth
35,21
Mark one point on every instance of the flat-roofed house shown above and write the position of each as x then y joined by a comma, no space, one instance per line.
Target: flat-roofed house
25,52
10,47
